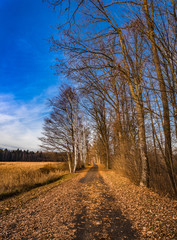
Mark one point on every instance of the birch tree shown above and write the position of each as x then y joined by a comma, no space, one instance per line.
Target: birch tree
62,130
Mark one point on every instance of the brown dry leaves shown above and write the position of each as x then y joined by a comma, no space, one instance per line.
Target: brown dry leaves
100,218
153,215
49,215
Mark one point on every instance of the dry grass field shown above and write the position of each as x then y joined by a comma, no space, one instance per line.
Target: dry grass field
20,176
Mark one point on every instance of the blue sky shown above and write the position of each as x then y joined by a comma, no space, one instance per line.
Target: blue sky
26,78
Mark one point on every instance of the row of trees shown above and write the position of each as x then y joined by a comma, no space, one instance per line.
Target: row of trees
30,156
122,57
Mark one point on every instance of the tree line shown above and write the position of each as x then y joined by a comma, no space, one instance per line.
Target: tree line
122,59
30,156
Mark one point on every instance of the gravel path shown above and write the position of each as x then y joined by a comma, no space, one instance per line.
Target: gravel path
92,205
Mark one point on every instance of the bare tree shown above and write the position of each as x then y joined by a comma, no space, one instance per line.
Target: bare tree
62,130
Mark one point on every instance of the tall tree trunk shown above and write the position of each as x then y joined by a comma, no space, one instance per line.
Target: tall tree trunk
84,146
166,124
144,180
69,162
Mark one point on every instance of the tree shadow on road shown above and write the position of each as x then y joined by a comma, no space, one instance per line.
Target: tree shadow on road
103,220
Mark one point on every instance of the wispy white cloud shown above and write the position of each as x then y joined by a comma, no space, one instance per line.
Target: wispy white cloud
5,118
21,122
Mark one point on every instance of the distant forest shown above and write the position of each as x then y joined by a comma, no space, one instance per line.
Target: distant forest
30,156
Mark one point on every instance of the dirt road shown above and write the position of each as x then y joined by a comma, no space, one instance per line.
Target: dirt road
99,218
81,208
84,207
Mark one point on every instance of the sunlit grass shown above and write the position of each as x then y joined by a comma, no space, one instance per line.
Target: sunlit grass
21,176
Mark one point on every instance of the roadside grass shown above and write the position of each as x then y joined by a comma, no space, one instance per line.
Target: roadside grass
18,177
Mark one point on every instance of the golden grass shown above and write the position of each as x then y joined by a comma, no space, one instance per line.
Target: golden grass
20,176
